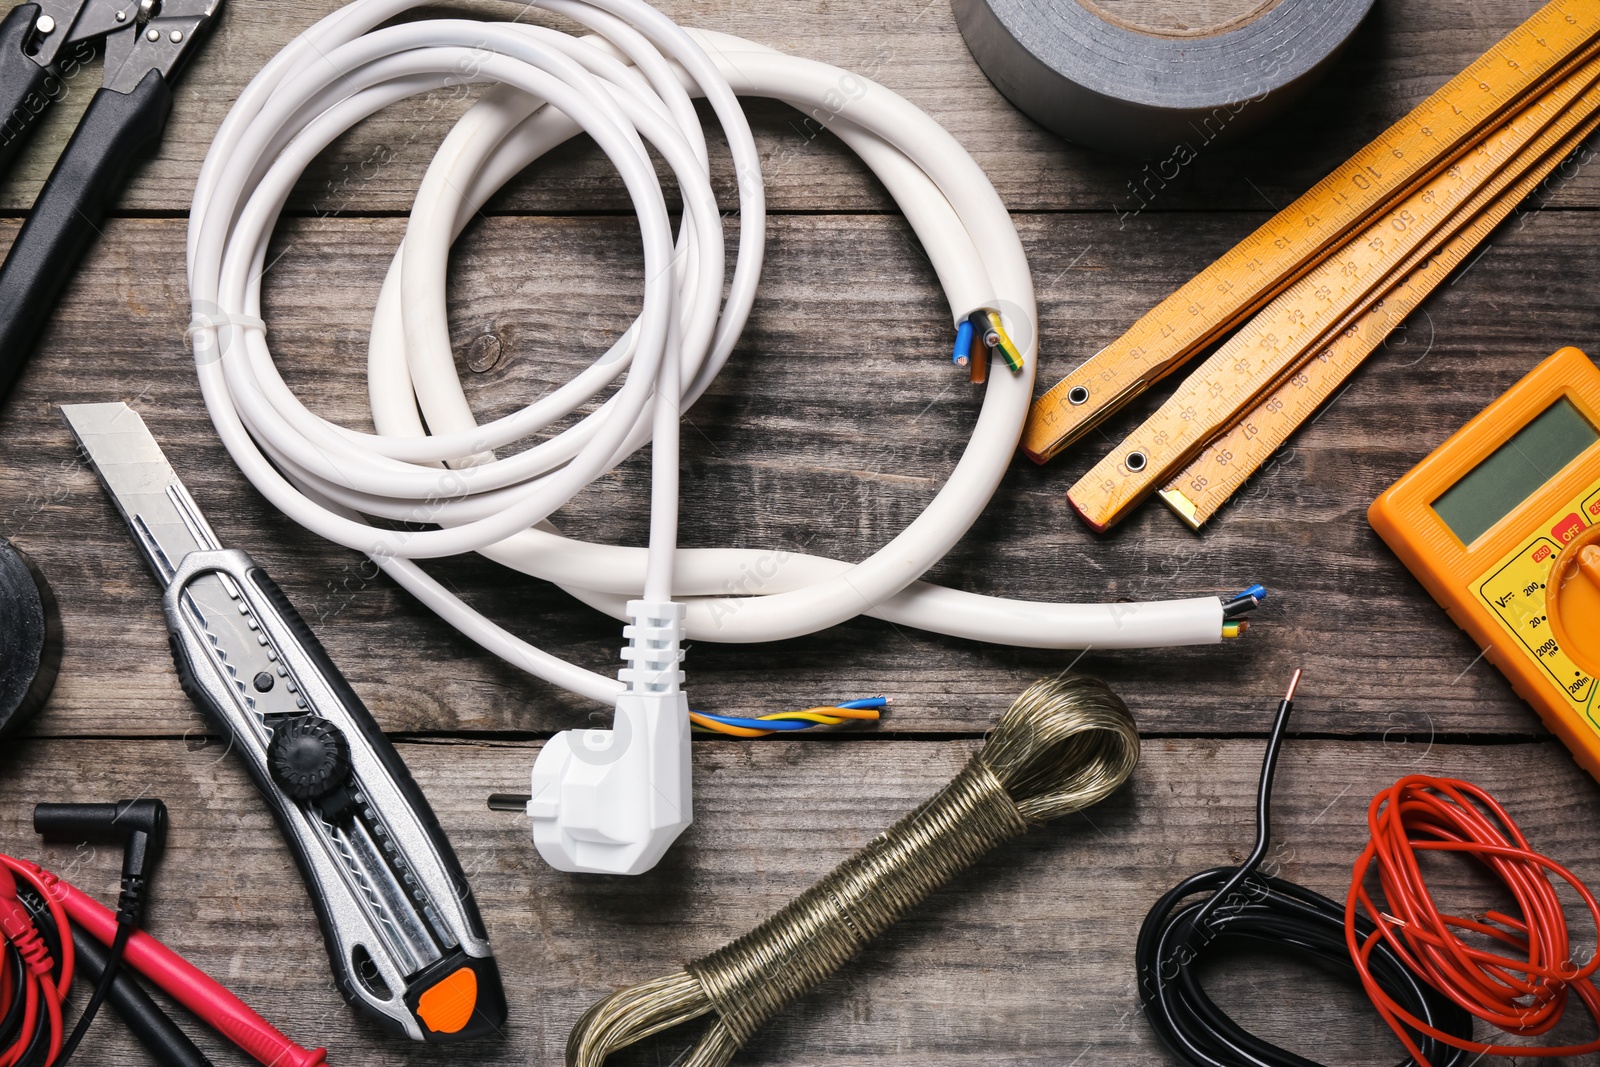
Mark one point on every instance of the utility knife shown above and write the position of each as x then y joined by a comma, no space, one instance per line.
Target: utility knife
402,930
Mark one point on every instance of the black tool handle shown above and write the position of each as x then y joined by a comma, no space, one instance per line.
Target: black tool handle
116,131
156,1031
409,1008
490,1009
25,86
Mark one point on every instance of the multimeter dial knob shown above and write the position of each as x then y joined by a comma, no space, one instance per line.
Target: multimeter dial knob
1572,600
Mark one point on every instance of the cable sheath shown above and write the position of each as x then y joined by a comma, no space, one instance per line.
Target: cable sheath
433,480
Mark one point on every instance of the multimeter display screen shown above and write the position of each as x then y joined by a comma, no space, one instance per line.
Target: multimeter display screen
1515,470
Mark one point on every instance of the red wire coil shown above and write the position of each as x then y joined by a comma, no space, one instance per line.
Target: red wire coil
1522,991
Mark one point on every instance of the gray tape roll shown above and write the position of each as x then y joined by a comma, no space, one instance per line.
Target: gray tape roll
1110,86
30,639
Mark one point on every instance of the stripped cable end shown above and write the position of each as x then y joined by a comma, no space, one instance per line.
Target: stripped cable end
998,340
1245,602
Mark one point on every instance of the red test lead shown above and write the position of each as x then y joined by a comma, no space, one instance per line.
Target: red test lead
39,992
179,978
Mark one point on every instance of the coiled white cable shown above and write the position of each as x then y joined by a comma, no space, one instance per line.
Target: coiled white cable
628,86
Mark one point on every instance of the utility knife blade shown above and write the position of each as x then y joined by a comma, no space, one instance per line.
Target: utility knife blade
403,933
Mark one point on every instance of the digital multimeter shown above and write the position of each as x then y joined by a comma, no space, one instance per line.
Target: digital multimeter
1501,523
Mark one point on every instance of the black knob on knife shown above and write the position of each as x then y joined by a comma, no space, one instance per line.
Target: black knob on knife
309,757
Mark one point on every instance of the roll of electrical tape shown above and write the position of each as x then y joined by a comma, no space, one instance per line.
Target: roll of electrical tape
1097,79
30,639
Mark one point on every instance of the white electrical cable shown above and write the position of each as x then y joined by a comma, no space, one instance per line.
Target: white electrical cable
629,86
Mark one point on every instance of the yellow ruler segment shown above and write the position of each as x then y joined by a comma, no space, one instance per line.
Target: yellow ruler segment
1321,303
1555,38
1203,487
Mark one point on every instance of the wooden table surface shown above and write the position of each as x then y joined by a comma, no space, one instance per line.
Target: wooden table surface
1029,960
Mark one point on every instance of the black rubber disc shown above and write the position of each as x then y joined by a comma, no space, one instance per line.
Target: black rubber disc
30,639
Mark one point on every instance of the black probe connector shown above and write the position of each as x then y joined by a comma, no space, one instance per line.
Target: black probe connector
140,826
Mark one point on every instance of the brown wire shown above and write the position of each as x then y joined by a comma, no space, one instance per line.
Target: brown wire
1064,744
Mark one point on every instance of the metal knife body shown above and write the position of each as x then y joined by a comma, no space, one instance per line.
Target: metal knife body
402,930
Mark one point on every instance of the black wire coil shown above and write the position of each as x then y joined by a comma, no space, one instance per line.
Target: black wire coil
1276,914
1245,906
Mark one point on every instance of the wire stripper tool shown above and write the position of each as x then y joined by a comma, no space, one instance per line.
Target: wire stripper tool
146,44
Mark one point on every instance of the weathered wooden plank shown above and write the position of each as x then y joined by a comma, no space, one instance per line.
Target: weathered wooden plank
1029,960
1405,51
781,453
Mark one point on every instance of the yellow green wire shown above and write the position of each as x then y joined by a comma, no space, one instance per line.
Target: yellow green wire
1008,351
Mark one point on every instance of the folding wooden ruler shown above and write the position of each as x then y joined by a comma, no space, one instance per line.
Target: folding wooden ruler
1317,288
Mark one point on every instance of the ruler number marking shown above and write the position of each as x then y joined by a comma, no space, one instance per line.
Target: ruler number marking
1446,124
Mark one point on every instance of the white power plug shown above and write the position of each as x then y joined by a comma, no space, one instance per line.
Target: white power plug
613,801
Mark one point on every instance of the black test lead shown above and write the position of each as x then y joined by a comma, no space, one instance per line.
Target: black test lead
1244,905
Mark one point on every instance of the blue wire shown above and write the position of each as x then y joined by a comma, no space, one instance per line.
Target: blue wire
1258,591
760,724
793,724
963,350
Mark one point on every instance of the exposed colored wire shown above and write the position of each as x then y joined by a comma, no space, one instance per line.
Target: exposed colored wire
1257,591
1523,992
1002,341
783,721
1233,609
1234,628
1244,906
963,349
1245,602
978,371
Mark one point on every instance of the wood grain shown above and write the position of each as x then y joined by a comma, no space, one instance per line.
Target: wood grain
1405,50
1028,960
780,439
